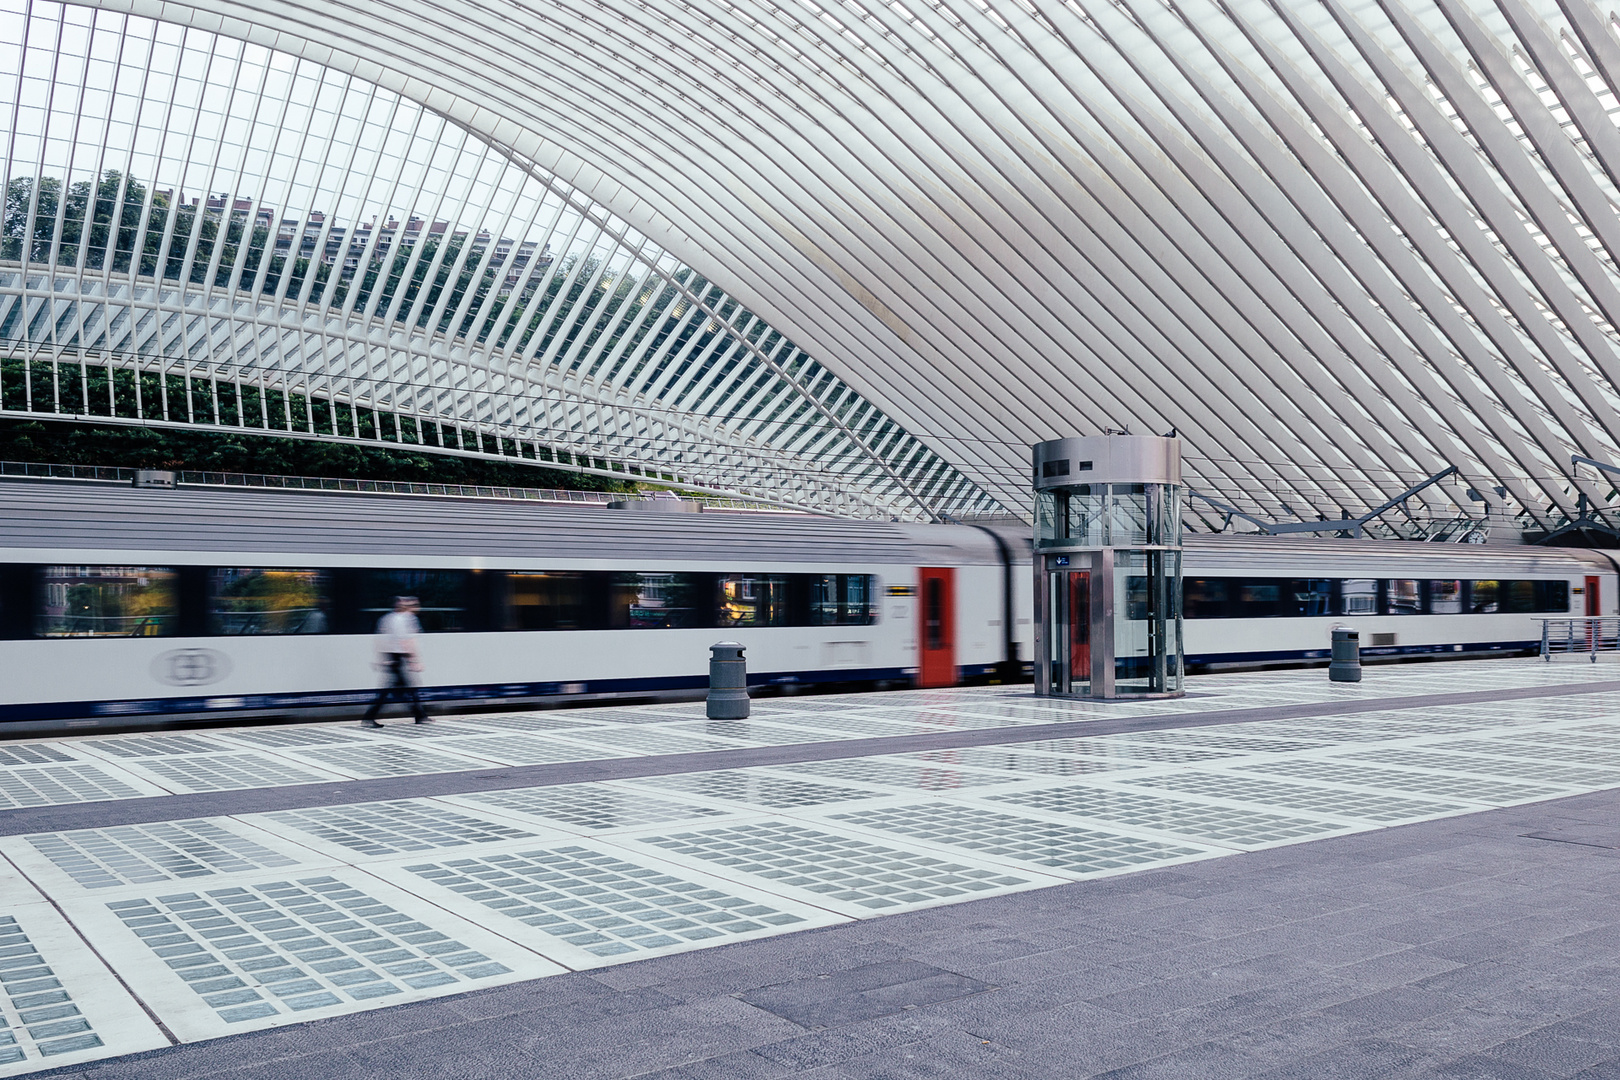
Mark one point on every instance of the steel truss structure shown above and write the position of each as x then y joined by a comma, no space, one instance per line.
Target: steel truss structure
1338,246
484,307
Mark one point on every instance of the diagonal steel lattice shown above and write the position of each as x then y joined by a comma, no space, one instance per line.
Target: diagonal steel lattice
1337,246
484,307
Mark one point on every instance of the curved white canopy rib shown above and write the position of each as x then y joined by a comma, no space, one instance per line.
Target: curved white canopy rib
1338,246
199,230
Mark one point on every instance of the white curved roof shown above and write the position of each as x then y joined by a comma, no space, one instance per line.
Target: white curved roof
1337,246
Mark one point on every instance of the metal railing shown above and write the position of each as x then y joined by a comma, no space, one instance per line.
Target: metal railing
1589,634
194,478
66,472
393,487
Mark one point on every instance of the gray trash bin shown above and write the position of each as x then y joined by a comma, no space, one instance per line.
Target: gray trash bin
728,682
1346,663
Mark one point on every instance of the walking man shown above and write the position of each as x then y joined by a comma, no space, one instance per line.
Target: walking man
397,632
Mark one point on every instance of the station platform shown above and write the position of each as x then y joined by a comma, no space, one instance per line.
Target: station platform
1275,876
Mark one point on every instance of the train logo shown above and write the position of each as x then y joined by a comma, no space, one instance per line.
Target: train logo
191,667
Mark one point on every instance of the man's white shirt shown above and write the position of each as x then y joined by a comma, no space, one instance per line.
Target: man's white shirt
397,631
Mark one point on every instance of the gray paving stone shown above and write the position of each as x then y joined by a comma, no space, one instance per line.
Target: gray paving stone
1214,1060
1348,949
1013,1011
1375,1014
1484,1068
864,993
1473,981
1608,1070
1163,996
744,1065
1393,969
1359,1060
835,1046
1460,1032
1473,948
1561,1049
976,954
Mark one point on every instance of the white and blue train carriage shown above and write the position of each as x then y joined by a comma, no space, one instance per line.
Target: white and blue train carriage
139,607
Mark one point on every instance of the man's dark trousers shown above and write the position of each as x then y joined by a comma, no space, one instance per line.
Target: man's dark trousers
398,688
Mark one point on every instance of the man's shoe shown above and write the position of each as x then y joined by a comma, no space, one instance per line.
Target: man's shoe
423,719
369,723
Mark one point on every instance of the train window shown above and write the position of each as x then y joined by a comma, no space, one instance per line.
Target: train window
934,613
442,593
1533,596
268,601
1312,596
1552,596
1204,598
1403,596
1445,598
547,601
1359,596
1518,596
107,601
842,600
752,600
1262,598
1265,593
1257,599
638,601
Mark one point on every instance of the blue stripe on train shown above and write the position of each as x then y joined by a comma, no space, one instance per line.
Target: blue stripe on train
1367,652
90,710
94,710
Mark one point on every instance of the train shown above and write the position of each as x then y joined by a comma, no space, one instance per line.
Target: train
129,607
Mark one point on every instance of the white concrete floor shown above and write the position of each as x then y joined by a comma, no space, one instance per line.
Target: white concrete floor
132,936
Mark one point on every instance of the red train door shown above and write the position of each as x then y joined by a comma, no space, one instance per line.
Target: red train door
936,638
1594,599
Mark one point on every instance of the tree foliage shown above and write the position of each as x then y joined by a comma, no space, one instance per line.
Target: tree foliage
65,443
569,302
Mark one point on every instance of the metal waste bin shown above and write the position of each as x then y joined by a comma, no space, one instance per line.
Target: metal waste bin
728,682
1346,663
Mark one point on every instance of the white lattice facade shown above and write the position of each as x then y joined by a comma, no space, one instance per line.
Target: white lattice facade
855,257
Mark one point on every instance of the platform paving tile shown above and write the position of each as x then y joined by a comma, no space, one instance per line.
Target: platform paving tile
58,1002
1333,946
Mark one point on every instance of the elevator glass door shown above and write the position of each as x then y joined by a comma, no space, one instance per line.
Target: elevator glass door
1069,656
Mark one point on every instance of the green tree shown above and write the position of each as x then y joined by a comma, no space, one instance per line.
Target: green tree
69,443
20,194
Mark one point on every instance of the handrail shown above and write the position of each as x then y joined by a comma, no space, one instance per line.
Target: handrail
1590,634
204,478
